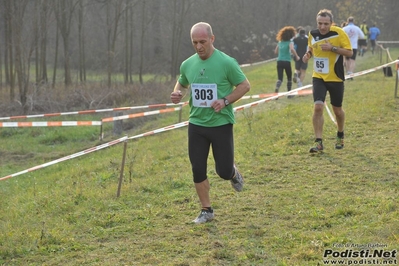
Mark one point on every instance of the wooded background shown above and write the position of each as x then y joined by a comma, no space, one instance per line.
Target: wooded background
64,42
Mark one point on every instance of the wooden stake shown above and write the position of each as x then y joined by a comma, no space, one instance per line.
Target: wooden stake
122,169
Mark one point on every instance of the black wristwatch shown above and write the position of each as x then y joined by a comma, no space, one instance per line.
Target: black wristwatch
226,102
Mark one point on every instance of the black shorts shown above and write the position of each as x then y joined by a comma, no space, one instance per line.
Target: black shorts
200,140
301,65
354,55
361,42
335,89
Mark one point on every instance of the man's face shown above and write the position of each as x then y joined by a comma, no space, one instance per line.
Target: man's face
202,43
324,24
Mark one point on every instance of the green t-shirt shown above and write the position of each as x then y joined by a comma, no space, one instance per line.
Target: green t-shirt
210,80
284,53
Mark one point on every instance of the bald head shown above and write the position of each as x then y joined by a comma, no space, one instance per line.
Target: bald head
202,26
202,39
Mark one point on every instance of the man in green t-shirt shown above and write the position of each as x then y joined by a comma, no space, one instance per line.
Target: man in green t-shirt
215,81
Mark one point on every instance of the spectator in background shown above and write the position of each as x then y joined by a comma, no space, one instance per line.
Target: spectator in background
296,35
362,43
343,24
284,49
354,33
298,30
301,46
374,32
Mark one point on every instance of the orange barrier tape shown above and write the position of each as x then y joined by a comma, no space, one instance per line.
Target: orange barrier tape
51,124
84,112
110,119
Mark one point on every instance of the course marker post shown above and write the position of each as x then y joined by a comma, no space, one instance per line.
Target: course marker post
118,193
397,78
101,133
180,113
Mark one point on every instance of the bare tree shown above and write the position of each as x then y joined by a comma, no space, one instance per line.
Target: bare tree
127,40
131,38
56,48
64,10
9,51
180,8
153,33
23,51
112,32
43,32
1,72
81,38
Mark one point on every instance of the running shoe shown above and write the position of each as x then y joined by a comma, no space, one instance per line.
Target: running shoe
318,147
204,216
295,79
237,181
339,144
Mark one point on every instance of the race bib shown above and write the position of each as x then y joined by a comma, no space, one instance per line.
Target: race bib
321,65
203,94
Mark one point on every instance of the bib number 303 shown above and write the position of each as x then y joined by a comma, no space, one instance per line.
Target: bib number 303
203,94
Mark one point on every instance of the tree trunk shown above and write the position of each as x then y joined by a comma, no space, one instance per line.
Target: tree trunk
9,51
143,25
64,10
36,12
126,57
112,31
82,63
43,41
55,56
21,63
180,10
131,45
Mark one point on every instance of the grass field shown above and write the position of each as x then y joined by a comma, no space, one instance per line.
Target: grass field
294,206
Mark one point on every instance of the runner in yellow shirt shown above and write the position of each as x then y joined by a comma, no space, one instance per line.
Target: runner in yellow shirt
328,45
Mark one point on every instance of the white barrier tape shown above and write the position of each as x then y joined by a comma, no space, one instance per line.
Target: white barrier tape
110,119
51,124
85,112
182,124
265,95
259,63
385,49
329,113
178,125
278,95
387,41
105,145
167,128
360,73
